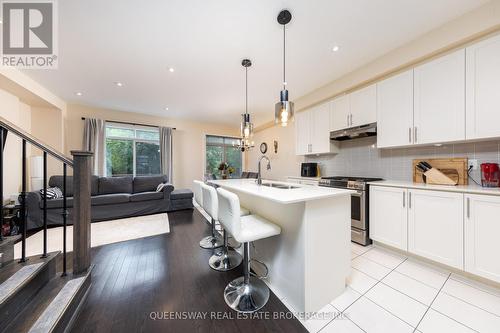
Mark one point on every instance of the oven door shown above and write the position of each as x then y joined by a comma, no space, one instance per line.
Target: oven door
358,219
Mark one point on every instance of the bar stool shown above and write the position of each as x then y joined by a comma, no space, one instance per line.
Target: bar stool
227,258
213,241
246,293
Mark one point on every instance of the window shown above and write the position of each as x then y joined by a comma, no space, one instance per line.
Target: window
132,150
220,149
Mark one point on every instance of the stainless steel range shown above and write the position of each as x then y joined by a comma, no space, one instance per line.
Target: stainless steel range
359,204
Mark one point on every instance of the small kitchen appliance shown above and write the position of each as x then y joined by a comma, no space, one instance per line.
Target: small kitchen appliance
490,175
359,204
309,170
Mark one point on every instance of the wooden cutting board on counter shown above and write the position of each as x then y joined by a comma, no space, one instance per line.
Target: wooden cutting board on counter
451,167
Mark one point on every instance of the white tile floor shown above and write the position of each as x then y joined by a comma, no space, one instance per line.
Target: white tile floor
388,292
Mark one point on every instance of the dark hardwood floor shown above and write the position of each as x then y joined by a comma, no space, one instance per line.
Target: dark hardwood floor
167,275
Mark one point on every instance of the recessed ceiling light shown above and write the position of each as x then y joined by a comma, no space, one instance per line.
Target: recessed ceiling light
166,109
171,70
336,48
119,84
79,93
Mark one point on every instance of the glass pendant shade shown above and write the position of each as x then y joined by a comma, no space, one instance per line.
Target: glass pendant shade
246,129
283,110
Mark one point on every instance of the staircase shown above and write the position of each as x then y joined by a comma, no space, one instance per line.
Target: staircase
34,297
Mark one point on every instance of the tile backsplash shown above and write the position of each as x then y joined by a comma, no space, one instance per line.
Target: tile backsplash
360,157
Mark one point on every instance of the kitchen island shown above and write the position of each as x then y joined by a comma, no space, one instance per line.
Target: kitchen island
310,260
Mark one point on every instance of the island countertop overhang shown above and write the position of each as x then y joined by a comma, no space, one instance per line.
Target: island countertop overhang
301,193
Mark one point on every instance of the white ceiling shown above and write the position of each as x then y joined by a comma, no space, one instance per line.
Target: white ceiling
135,42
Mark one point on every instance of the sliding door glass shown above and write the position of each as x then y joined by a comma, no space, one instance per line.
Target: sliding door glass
132,150
219,150
119,157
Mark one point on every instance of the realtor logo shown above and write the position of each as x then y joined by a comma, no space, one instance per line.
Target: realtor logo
29,34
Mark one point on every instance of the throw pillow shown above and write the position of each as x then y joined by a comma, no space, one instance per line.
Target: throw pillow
160,187
52,193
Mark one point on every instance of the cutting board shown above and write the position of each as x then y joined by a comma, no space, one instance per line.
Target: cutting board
449,166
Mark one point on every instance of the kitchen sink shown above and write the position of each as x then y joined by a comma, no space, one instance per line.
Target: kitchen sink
280,186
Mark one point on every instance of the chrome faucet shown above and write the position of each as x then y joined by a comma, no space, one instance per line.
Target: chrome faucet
259,178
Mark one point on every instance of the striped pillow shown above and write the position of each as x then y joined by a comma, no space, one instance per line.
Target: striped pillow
52,193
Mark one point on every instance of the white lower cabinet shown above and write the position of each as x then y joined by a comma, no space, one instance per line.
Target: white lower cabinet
482,227
436,226
388,216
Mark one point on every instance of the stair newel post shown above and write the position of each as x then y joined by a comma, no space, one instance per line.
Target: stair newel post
64,216
1,182
82,166
44,255
23,203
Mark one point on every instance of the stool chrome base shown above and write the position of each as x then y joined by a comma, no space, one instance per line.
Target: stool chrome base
248,297
211,242
225,261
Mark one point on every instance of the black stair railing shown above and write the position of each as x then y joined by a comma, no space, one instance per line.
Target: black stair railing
7,127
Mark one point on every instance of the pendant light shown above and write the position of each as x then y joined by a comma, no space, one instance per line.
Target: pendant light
246,125
283,110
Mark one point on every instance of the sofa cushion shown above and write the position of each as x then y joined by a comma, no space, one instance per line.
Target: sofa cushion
57,181
57,203
110,185
146,196
148,183
181,194
109,199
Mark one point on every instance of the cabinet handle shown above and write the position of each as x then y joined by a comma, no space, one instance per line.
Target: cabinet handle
404,199
468,208
347,120
351,119
409,200
409,134
415,134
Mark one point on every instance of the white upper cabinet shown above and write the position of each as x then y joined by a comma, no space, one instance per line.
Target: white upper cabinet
320,129
395,111
363,106
340,113
436,226
302,132
481,236
439,101
312,131
483,89
388,216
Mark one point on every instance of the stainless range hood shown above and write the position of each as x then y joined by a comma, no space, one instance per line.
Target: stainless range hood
354,132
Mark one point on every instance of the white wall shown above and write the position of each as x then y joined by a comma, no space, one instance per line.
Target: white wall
20,115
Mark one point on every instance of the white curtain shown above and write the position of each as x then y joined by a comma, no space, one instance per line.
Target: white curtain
166,152
94,141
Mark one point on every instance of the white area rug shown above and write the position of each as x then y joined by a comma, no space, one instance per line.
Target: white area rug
102,233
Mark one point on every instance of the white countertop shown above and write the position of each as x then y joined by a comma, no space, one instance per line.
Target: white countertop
284,196
472,189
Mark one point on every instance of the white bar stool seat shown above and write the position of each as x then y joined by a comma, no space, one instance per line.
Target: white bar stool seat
213,241
226,259
247,293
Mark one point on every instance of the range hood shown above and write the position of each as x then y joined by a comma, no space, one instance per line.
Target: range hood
354,132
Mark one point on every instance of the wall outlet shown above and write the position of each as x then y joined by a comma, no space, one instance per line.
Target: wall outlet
473,164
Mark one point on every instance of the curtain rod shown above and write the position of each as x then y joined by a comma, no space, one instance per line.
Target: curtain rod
127,123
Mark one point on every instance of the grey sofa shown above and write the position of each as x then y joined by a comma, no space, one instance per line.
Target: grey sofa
112,198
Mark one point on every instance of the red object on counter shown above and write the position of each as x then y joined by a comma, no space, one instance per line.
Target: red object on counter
490,175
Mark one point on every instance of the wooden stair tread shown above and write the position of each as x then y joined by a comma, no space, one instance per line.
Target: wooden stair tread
15,281
8,241
41,314
54,311
8,270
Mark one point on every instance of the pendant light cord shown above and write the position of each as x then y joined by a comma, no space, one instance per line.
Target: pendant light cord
246,90
284,57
